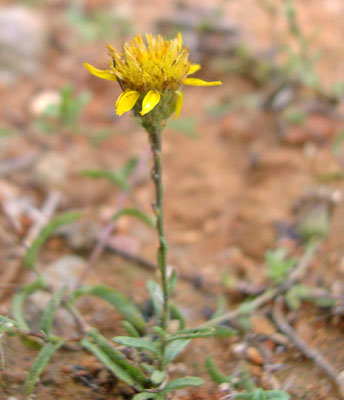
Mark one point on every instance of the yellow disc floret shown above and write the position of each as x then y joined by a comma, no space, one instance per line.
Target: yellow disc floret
152,71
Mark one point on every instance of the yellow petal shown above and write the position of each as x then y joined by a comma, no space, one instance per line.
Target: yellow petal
151,99
200,82
194,68
100,73
126,101
179,103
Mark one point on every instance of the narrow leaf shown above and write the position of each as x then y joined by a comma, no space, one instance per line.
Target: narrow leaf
176,314
157,377
144,396
276,395
173,349
18,301
181,383
129,167
112,176
156,296
214,373
49,313
45,233
130,328
134,212
102,357
117,357
192,334
125,306
136,343
39,364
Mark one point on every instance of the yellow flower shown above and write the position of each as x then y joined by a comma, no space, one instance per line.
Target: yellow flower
151,73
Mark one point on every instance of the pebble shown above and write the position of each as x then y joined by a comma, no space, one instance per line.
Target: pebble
51,171
253,355
43,101
66,271
23,42
261,325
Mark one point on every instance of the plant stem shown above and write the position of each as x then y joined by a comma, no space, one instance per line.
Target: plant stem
155,141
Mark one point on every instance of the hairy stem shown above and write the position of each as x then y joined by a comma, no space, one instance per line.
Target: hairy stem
155,141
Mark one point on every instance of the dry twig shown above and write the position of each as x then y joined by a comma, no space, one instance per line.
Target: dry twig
310,353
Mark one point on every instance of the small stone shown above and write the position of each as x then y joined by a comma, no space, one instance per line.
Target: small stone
66,271
51,171
239,349
23,42
255,370
43,101
253,355
261,325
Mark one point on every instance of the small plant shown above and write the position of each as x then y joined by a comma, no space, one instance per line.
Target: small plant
278,265
101,25
150,74
65,113
242,383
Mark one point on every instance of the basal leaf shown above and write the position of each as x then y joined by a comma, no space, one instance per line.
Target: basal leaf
125,306
45,233
39,364
134,212
50,311
181,383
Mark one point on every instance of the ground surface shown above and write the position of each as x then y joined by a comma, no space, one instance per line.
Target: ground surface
231,194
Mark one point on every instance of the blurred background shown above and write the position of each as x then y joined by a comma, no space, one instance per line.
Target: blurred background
253,165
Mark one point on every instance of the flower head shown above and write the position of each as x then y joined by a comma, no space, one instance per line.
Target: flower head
151,72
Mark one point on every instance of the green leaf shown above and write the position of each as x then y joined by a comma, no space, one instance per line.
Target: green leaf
157,377
214,373
173,349
112,176
125,306
278,264
50,311
172,281
276,395
130,328
104,358
39,364
156,296
129,167
193,333
295,295
176,314
186,125
117,357
181,383
134,212
45,233
159,331
136,343
18,301
144,396
223,331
